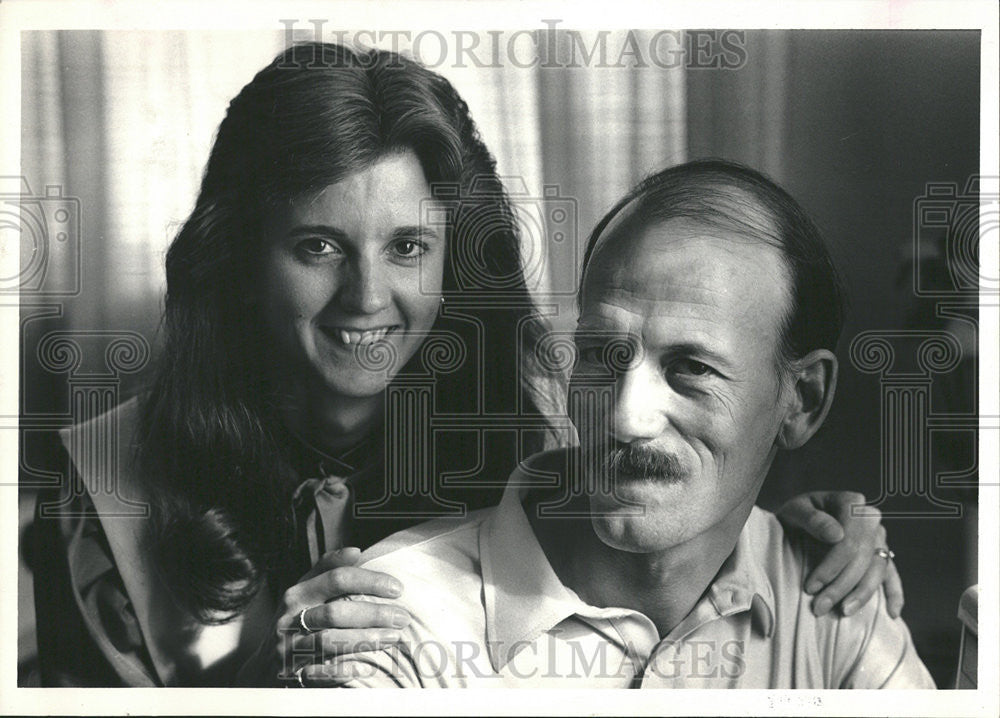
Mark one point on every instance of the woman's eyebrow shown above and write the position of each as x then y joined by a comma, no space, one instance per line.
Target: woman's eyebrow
414,231
313,230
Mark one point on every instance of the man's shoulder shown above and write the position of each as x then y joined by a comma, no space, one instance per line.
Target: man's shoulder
867,649
787,557
453,542
439,565
780,558
773,547
425,541
438,562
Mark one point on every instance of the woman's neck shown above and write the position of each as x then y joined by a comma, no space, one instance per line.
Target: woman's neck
331,424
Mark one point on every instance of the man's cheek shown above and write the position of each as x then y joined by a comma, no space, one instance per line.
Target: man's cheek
723,403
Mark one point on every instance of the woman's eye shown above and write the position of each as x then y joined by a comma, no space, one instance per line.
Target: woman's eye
690,367
317,247
408,248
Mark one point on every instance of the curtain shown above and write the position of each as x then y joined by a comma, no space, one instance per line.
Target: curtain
125,120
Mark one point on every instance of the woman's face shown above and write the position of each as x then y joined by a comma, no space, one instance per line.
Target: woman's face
350,276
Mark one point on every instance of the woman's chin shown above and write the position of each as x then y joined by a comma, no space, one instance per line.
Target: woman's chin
356,384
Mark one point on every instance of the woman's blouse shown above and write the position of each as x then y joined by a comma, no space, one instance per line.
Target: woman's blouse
88,633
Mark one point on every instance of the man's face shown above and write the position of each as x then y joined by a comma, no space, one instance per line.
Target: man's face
696,408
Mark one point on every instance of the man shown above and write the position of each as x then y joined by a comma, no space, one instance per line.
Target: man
710,310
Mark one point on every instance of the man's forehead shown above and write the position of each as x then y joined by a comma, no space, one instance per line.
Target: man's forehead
634,254
686,274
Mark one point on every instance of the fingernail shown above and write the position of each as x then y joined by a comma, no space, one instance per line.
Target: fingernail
822,606
850,607
394,589
390,637
812,587
400,619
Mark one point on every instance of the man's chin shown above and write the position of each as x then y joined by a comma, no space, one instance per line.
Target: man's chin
644,490
631,532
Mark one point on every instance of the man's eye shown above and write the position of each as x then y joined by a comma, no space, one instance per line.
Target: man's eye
689,367
317,247
408,248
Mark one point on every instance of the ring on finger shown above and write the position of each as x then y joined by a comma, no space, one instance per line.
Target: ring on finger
302,622
298,677
885,553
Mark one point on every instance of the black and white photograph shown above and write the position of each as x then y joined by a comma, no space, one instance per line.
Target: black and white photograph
500,345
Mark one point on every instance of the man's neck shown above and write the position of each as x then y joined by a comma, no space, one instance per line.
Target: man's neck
664,586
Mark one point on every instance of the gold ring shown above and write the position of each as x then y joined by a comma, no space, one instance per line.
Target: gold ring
885,553
302,621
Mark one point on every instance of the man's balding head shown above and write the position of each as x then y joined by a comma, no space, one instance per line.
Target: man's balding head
742,202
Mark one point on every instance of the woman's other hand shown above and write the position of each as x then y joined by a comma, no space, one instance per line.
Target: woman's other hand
334,627
852,570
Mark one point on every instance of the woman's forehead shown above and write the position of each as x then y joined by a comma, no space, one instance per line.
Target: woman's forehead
392,189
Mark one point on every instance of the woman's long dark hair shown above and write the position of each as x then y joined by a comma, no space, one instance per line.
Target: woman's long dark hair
316,114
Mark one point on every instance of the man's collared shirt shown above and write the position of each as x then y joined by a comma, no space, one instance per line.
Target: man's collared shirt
489,611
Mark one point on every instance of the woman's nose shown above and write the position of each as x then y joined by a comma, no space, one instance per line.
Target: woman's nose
366,289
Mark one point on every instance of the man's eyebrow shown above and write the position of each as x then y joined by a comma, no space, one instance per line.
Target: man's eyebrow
696,349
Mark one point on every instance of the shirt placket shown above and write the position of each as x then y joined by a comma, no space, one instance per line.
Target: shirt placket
705,651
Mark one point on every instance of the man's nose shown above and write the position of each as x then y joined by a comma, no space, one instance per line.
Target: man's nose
639,407
366,289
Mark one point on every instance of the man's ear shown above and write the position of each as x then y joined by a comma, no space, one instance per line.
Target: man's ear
814,382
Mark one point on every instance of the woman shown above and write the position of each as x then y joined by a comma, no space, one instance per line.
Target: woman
310,277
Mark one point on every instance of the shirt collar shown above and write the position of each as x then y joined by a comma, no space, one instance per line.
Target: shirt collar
311,461
524,597
742,583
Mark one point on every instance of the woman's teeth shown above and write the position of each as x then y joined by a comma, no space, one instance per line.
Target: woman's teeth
366,337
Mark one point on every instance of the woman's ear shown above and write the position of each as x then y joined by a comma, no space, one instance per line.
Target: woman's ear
814,380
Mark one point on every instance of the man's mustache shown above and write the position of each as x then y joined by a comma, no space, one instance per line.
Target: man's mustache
638,461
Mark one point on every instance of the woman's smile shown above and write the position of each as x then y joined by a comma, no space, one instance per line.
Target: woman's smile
357,336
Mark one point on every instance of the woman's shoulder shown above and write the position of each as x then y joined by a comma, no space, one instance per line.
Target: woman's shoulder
87,633
103,451
114,424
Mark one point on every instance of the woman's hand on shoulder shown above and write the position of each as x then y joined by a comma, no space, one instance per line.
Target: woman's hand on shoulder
852,570
312,627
